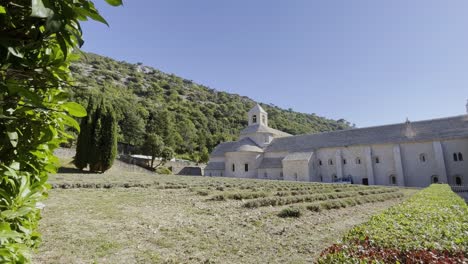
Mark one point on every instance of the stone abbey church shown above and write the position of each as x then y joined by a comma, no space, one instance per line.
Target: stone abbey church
413,154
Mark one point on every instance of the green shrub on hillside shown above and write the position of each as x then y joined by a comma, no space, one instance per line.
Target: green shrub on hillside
430,227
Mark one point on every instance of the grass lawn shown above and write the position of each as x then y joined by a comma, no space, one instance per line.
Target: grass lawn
178,219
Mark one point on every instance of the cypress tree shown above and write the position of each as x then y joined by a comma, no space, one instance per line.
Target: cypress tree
108,139
95,139
97,142
81,159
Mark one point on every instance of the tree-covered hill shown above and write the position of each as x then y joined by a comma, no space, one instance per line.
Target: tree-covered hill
191,118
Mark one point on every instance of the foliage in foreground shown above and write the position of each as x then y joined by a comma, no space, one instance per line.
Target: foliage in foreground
430,227
97,141
36,43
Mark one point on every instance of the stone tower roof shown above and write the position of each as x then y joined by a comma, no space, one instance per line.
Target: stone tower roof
257,109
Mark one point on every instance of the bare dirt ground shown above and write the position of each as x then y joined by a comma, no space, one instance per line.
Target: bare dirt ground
168,221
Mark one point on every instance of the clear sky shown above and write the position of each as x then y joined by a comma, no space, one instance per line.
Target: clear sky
370,62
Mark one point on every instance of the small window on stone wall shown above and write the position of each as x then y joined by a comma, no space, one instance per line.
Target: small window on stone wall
358,160
460,156
295,176
320,162
422,157
321,178
330,162
435,179
265,174
455,157
377,160
458,180
344,161
393,180
233,167
246,167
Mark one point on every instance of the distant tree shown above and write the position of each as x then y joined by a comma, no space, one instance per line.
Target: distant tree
97,142
133,128
205,155
153,146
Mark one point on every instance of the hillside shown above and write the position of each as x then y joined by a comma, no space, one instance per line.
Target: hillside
190,117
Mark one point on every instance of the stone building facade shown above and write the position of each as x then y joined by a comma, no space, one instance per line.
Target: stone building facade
413,154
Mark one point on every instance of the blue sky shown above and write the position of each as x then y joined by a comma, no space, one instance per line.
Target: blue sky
370,62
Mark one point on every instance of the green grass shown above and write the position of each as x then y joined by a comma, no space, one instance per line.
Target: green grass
147,218
430,227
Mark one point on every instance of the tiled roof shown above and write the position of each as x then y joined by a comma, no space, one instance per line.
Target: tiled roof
268,163
258,128
435,129
298,156
243,145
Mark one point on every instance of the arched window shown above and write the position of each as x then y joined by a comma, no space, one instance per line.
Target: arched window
254,119
246,167
358,160
330,162
422,157
460,156
458,180
377,160
455,157
344,161
233,167
393,180
320,162
435,179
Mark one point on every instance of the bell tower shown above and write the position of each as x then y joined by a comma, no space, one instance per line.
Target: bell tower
258,116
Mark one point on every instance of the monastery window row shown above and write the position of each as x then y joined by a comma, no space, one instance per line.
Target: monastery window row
330,161
457,156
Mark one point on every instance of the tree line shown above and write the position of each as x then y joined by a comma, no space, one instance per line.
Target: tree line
189,118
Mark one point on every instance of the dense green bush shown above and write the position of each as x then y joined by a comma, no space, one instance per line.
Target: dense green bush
430,227
290,212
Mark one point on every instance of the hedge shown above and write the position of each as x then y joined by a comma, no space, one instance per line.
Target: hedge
430,227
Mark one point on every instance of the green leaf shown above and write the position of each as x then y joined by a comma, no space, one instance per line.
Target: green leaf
2,10
114,2
74,109
39,10
13,136
71,122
